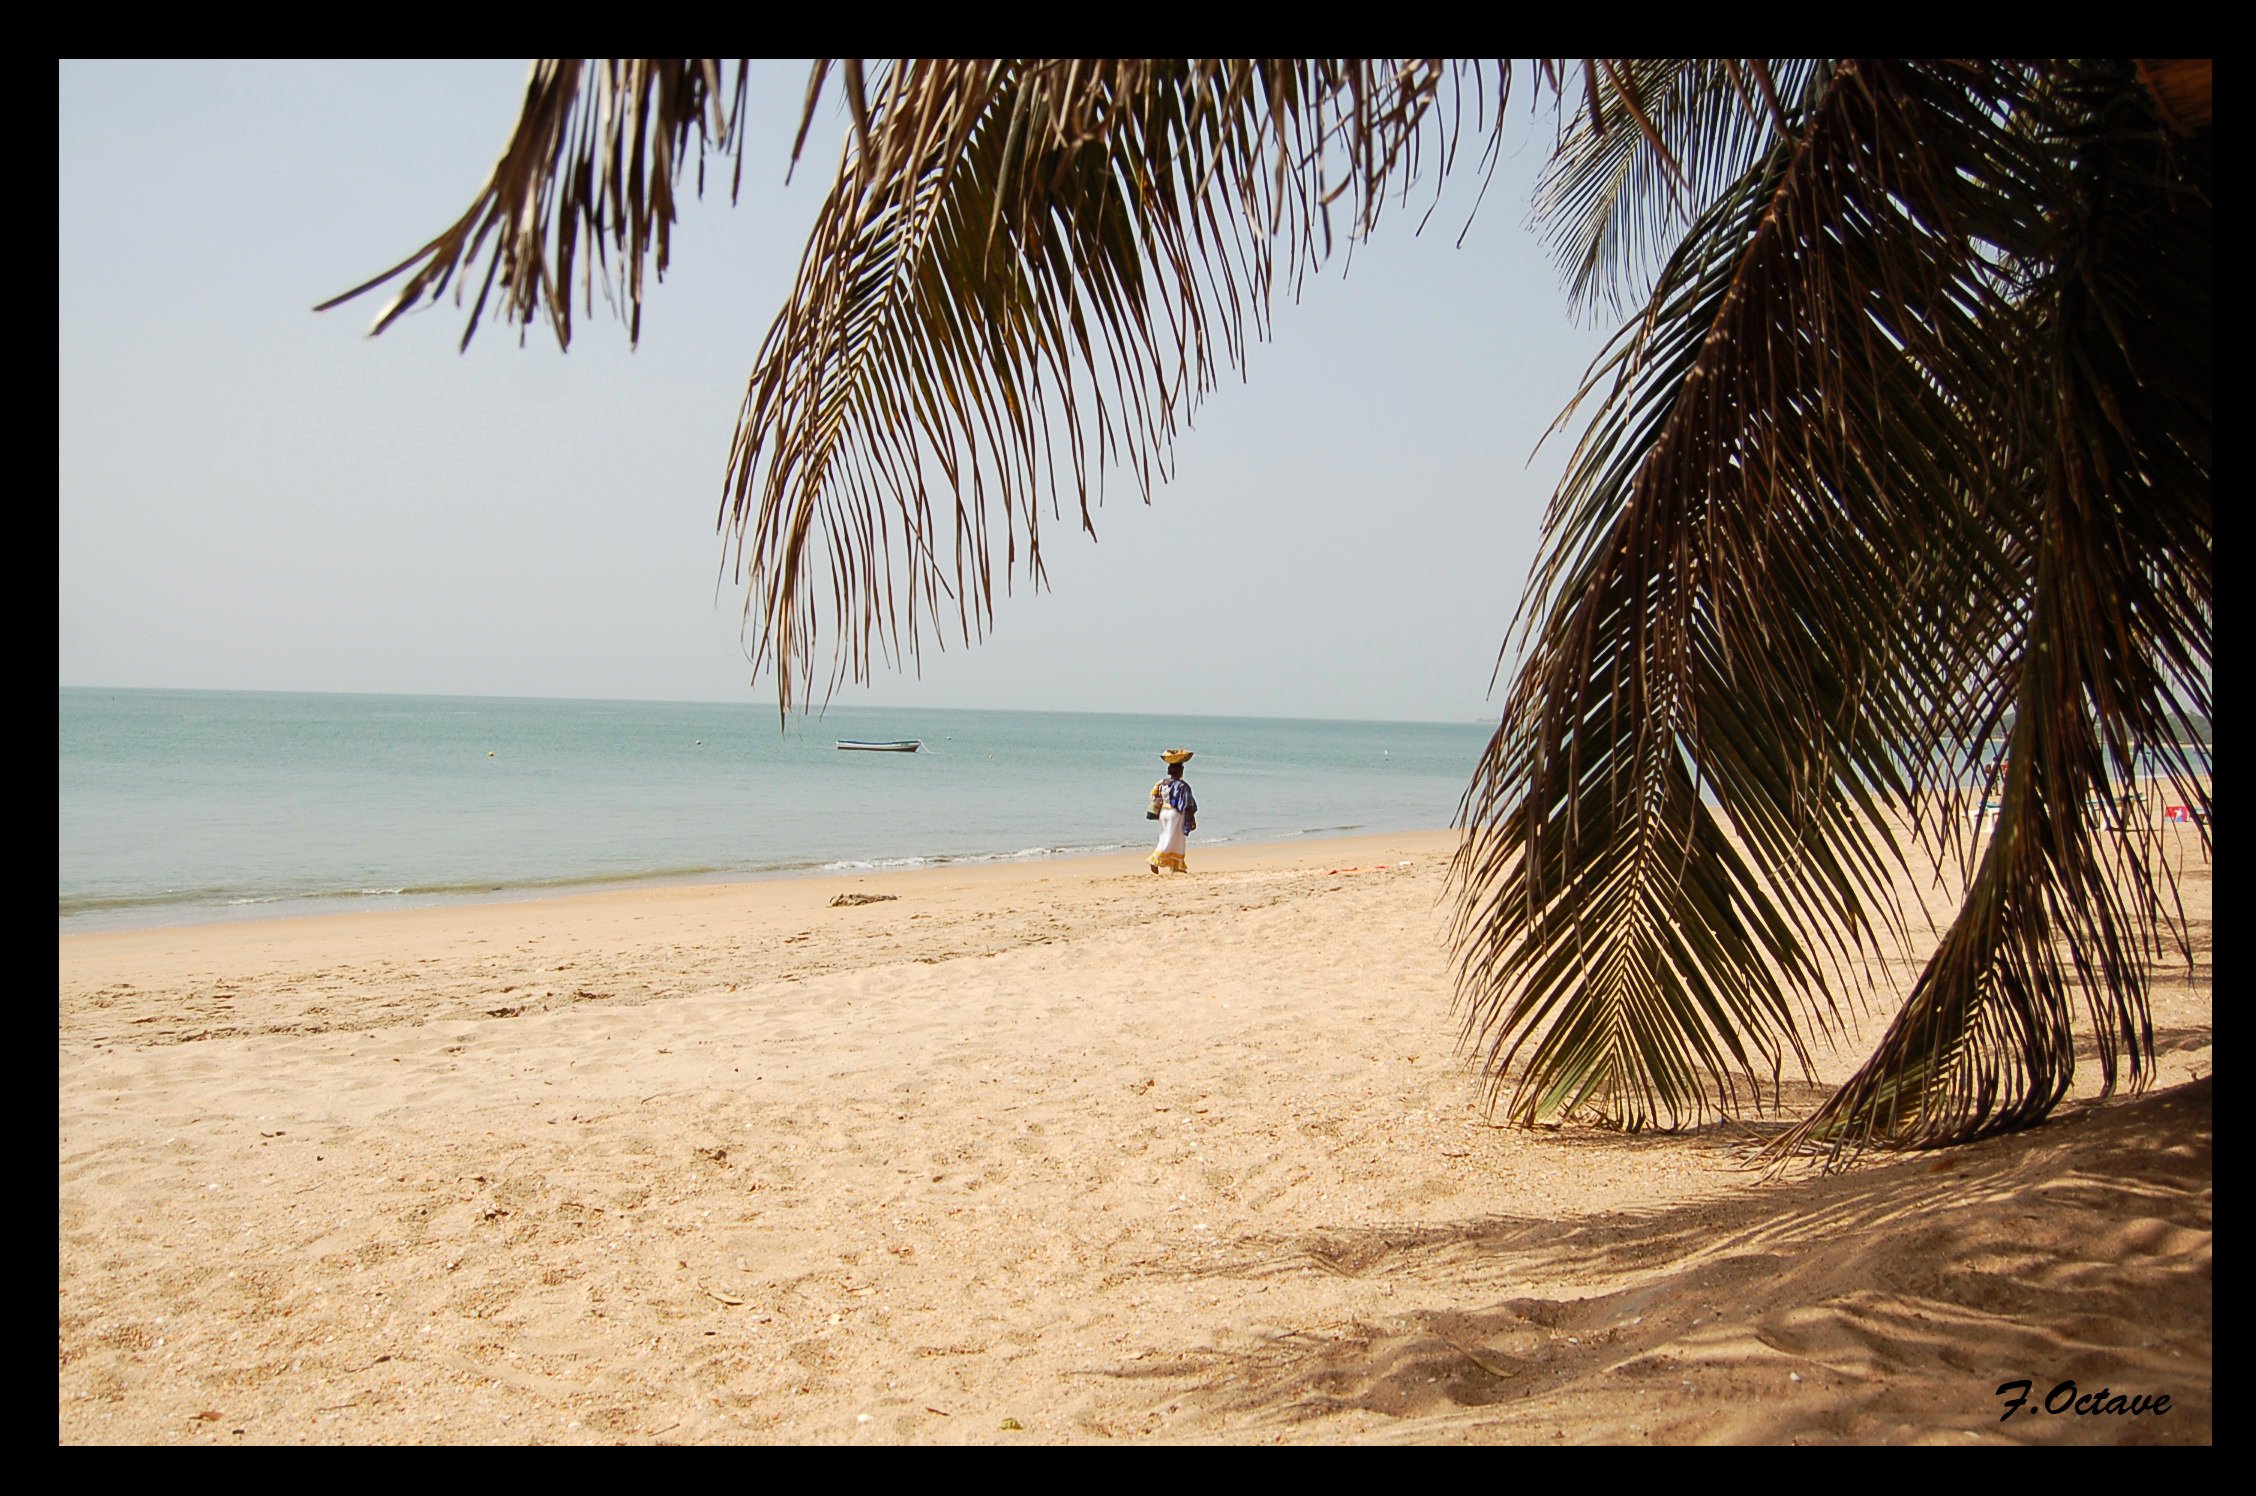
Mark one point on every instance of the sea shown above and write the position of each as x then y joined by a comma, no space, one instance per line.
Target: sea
188,807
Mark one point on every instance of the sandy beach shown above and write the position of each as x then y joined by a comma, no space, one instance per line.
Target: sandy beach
1055,1152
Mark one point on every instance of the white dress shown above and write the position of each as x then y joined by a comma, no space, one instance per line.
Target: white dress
1173,842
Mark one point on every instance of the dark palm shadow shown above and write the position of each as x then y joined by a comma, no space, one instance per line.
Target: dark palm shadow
1882,1304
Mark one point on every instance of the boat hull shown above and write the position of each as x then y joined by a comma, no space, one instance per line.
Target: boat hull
909,746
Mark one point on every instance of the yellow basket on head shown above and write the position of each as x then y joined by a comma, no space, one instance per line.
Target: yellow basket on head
1175,755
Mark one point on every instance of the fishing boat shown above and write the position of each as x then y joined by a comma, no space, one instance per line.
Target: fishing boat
906,745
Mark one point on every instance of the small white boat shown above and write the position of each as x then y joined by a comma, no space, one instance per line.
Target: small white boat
907,745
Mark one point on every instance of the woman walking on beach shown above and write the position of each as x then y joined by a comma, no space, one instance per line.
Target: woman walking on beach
1177,809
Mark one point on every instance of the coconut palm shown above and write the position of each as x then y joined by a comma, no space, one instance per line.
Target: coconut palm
1902,451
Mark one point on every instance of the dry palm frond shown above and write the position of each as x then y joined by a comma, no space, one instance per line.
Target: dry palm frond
1701,644
1794,578
2112,440
1610,199
1021,266
1024,267
598,150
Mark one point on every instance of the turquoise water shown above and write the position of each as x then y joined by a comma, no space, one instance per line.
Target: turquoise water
180,807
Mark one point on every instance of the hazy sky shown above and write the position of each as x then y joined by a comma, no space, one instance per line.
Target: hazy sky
254,497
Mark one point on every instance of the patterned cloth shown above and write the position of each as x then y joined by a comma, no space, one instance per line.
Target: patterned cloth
1177,807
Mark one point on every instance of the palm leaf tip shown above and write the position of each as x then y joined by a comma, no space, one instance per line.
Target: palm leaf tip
588,177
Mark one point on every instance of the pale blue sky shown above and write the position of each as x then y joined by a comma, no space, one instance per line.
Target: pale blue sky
254,497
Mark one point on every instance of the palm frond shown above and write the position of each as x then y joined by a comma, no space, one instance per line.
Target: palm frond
2113,440
595,160
1024,267
1612,199
1910,443
1021,267
1731,626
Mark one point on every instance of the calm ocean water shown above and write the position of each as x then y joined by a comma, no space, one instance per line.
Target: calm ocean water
180,807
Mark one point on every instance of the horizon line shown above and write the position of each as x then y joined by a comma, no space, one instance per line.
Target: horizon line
806,713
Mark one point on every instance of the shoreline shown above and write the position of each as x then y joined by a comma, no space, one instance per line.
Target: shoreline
341,906
2153,791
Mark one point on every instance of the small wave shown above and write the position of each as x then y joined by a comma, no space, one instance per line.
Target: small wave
94,902
243,900
611,879
110,906
951,859
1033,854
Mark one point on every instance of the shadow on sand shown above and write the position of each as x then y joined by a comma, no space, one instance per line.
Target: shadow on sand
1887,1304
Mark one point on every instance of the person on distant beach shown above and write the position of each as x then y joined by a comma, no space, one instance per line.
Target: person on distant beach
1178,813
